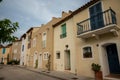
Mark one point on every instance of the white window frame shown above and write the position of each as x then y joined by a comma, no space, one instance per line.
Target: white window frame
91,51
44,40
45,55
34,42
57,55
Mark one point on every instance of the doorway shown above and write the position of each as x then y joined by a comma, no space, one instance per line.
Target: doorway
40,61
67,60
113,61
35,60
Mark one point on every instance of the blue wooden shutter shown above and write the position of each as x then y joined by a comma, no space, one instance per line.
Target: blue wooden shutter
96,16
3,50
22,47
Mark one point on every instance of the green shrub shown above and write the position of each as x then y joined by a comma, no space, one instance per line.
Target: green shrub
13,62
1,63
95,67
36,63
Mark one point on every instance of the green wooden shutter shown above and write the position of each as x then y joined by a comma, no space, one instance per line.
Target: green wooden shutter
63,28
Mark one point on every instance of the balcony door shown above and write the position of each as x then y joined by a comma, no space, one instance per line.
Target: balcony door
96,16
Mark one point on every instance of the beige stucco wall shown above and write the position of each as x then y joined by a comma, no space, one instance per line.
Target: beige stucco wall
23,50
59,45
99,54
7,52
38,49
29,54
16,50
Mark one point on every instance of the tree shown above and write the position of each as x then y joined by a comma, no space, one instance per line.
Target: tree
0,0
7,29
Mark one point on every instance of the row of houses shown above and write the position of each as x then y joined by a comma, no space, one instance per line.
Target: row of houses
74,41
10,52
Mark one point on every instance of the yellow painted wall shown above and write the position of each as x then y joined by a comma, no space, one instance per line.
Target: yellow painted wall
59,45
49,43
8,51
83,66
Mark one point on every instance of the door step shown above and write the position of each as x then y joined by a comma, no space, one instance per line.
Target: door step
113,77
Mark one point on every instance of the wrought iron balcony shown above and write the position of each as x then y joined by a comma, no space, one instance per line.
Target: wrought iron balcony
96,23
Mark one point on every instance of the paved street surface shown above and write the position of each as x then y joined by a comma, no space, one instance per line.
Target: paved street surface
15,73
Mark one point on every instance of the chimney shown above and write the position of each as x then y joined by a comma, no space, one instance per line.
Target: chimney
70,11
54,18
64,14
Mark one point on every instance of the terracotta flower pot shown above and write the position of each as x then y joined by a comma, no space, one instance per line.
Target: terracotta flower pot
98,75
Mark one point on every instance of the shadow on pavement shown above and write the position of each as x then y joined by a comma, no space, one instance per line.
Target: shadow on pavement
1,78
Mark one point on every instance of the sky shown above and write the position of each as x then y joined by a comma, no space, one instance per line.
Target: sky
33,13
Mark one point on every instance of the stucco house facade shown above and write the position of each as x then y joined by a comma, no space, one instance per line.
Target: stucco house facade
23,50
42,46
5,53
98,39
16,50
29,46
89,35
64,44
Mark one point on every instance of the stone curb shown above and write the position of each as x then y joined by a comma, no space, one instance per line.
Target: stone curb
43,73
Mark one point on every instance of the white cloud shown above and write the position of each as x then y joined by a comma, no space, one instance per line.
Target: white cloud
35,12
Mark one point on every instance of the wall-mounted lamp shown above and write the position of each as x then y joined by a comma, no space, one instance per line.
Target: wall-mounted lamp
97,45
66,46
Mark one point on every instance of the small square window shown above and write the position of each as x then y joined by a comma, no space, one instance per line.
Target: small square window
87,52
46,55
58,55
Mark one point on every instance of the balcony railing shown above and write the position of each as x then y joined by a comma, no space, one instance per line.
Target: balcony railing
109,17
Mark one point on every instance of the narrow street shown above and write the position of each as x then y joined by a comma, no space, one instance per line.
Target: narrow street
15,73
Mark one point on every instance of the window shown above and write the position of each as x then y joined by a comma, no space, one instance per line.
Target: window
29,45
46,55
96,16
34,42
87,52
22,47
63,31
58,55
29,36
44,39
3,50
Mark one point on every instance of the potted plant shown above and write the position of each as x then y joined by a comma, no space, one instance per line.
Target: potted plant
98,73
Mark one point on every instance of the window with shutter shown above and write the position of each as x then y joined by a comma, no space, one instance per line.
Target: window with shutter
63,31
96,16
